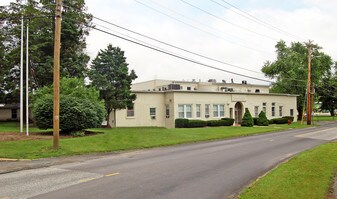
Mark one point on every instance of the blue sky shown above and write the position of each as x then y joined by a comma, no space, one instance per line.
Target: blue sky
226,36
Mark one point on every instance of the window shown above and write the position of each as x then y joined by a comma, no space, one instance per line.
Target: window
264,107
153,113
188,88
291,112
218,110
167,108
257,90
273,109
207,110
185,111
280,110
14,114
231,113
197,110
130,111
256,111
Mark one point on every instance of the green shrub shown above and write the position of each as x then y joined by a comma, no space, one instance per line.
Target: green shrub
271,121
196,123
291,118
247,119
262,121
255,120
216,122
280,120
75,113
229,121
181,123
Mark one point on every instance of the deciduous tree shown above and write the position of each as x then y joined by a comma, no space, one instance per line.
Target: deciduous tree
40,16
290,69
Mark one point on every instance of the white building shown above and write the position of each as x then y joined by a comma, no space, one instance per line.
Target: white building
160,102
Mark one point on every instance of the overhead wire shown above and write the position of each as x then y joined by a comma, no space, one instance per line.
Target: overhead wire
180,57
199,29
177,47
257,20
227,21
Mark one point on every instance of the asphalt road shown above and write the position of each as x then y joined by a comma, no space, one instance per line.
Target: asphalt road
218,169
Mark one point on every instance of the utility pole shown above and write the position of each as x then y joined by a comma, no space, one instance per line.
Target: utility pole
309,45
57,45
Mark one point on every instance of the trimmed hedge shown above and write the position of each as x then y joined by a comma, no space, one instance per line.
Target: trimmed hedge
216,123
291,118
186,123
196,123
181,123
280,120
229,121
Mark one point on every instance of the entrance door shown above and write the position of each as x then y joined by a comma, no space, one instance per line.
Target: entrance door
238,113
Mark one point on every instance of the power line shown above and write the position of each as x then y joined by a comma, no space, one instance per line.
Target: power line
176,47
226,21
194,27
192,19
180,57
257,20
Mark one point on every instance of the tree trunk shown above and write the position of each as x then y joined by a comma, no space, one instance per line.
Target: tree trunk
115,118
300,111
108,120
332,112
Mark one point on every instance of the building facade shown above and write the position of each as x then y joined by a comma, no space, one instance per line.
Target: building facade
160,102
9,112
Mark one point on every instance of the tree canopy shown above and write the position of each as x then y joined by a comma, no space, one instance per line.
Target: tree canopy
110,74
39,14
290,69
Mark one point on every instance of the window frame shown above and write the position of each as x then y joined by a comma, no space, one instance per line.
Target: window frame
185,113
130,109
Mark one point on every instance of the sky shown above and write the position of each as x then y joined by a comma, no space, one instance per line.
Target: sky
213,29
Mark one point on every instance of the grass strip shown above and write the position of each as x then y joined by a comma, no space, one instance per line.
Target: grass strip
308,175
118,139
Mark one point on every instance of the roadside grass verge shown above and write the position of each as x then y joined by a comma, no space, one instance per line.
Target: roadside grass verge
308,175
118,139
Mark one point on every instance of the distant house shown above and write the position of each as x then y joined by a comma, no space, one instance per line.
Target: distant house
9,112
160,102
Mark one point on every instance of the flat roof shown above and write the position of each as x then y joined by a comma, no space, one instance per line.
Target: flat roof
215,92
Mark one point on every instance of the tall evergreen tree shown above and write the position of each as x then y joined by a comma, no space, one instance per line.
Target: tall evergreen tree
110,74
40,16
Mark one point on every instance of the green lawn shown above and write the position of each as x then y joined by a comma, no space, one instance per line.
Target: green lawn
308,175
12,127
118,139
324,118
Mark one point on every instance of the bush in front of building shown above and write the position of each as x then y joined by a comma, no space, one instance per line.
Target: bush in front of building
216,123
181,123
247,119
280,120
196,123
291,118
255,120
228,121
75,113
262,120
